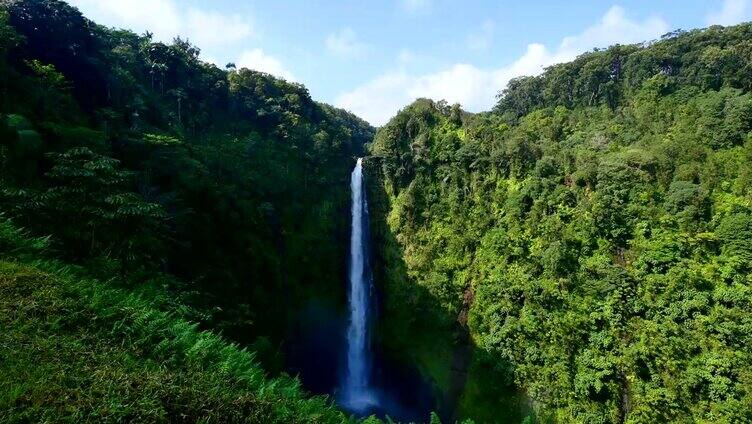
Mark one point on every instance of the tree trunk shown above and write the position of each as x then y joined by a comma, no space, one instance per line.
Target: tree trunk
626,401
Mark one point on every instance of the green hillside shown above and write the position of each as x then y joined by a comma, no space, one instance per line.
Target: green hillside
75,349
173,198
582,253
588,242
138,157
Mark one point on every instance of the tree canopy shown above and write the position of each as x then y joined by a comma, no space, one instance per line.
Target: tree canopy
590,235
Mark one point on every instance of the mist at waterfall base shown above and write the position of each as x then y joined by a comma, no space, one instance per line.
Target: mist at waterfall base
318,355
335,354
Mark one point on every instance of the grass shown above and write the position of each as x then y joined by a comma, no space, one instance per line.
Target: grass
74,349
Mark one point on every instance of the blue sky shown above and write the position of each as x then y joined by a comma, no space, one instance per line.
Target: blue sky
374,57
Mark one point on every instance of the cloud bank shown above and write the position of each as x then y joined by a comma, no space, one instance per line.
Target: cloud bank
257,60
166,19
476,88
732,12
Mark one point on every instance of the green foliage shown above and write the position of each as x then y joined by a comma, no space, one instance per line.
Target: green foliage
735,234
587,242
104,219
8,37
76,350
161,140
154,160
708,58
145,165
591,235
14,242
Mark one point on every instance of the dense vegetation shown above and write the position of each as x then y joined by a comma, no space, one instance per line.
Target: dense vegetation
590,239
154,172
137,156
74,349
582,253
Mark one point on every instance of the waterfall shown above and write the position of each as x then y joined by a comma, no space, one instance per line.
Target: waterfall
356,391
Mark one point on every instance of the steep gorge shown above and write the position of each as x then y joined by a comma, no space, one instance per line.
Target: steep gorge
584,239
579,254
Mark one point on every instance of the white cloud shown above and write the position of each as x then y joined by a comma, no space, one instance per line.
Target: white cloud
732,12
377,100
417,5
212,28
204,28
345,43
476,88
161,17
257,60
614,28
166,19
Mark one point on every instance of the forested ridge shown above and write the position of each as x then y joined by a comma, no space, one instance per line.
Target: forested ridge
156,190
77,349
589,240
154,160
580,253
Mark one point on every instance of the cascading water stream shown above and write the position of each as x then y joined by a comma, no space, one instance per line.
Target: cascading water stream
356,392
371,384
